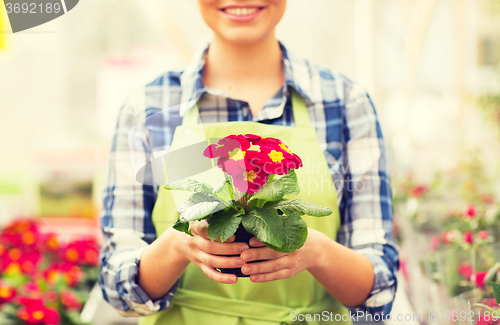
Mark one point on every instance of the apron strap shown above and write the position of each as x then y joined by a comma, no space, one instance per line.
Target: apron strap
249,309
192,116
300,112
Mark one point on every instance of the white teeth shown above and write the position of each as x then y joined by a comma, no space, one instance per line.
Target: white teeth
241,11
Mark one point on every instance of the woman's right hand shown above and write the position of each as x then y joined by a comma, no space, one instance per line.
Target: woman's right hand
208,255
164,261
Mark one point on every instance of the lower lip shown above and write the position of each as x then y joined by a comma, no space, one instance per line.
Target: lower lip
242,19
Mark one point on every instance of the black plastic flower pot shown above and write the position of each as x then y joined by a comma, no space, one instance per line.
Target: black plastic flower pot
241,236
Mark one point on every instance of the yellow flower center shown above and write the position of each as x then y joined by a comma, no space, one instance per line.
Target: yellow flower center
276,156
28,238
52,243
72,254
90,255
53,276
38,315
13,269
22,226
5,292
236,154
15,254
284,147
249,176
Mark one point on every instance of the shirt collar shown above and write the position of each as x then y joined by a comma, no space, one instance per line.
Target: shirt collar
296,70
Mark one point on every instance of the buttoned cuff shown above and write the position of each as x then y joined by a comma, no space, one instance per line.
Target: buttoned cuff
384,288
139,303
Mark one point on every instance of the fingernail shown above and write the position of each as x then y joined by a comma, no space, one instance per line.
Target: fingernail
243,248
239,262
254,278
246,257
232,279
248,269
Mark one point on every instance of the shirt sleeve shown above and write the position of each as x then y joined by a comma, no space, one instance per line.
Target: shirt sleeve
366,204
126,219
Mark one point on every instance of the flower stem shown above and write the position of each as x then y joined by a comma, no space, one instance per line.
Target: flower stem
244,201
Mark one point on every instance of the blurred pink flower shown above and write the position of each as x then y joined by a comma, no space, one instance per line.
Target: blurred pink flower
483,234
465,271
436,242
418,191
468,237
451,235
491,302
444,236
70,300
480,278
471,212
7,293
488,198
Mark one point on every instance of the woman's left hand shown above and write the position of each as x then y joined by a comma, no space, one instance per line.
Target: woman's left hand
275,265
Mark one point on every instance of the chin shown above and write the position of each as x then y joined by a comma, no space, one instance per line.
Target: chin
242,37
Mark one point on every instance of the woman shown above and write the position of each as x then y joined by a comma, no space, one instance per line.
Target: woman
245,74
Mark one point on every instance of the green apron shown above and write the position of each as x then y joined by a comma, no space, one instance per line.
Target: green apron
199,300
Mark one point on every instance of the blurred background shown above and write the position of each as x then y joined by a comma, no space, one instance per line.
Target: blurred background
431,67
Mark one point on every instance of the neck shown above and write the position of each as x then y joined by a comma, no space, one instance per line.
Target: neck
248,63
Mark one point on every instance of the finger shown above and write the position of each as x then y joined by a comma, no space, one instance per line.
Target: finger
200,228
268,266
229,240
214,248
219,261
273,276
254,242
262,253
217,276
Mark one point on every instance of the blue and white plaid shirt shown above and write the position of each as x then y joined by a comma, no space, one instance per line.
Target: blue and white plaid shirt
348,131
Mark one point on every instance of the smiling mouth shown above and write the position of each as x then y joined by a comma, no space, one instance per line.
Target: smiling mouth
241,11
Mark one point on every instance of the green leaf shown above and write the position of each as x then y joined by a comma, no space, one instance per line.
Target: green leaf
492,272
43,285
182,227
219,188
14,280
223,192
266,225
255,203
485,307
496,291
270,192
294,233
198,211
300,207
224,224
9,309
91,274
192,200
188,184
291,183
74,317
